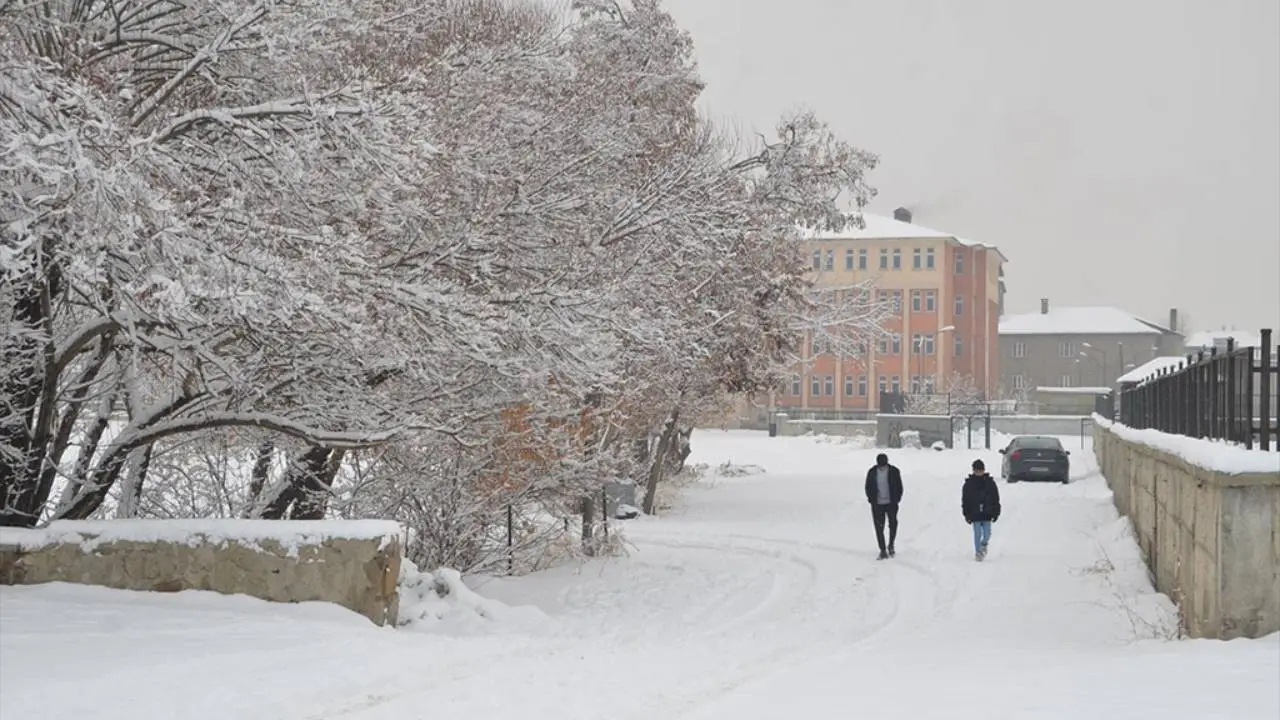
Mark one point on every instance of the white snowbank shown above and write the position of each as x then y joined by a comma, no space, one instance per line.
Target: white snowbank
1216,455
290,534
1054,390
441,599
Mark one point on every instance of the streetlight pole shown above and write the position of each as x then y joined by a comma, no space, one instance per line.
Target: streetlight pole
1103,353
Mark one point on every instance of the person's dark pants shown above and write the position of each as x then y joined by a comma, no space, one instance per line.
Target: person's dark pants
879,513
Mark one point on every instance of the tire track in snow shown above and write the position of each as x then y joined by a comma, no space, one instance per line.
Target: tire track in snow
909,607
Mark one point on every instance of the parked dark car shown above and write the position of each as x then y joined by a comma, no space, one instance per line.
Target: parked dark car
1035,458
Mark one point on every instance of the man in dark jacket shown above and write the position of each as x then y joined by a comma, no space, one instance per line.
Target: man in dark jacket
884,492
980,503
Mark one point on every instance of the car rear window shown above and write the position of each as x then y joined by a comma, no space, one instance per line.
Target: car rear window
1038,443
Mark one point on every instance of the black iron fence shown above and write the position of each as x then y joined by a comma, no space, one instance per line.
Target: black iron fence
1228,395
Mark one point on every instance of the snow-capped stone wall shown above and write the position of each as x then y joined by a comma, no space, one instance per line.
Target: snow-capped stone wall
1205,514
355,564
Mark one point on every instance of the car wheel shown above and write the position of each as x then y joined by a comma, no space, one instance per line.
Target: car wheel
1066,480
1013,480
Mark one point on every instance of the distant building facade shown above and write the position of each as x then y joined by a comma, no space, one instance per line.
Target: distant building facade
948,292
1079,346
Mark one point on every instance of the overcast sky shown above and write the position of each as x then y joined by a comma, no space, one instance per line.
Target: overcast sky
1120,152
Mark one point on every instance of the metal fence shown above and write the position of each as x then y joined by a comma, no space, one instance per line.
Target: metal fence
1227,395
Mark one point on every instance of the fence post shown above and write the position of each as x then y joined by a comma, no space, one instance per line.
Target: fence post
1233,401
511,553
1247,398
1264,428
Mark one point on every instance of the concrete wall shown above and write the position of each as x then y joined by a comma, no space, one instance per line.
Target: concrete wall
1071,425
359,573
932,429
841,428
1211,540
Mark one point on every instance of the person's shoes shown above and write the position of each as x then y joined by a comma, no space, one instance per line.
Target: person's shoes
891,551
978,556
883,555
984,549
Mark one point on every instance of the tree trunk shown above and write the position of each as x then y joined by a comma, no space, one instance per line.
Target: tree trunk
261,470
656,465
312,502
588,525
305,470
134,477
27,352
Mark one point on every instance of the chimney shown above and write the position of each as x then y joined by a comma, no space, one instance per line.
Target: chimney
1173,319
902,215
1044,306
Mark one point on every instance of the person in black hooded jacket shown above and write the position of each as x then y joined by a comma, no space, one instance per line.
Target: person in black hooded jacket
980,503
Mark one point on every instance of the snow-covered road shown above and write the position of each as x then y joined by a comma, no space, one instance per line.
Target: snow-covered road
759,596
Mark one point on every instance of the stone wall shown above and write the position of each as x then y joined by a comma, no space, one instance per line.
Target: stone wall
1211,539
354,565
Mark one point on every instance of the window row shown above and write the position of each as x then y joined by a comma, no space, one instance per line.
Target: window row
824,385
891,344
921,259
1021,382
1066,349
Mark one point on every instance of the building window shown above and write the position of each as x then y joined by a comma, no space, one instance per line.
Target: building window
831,260
815,346
795,385
848,386
862,386
848,259
817,259
928,259
884,259
959,346
1019,382
895,384
959,263
916,303
815,386
896,344
897,259
883,384
897,300
915,384
1019,350
928,384
959,305
1066,349
1064,381
930,301
884,346
927,346
917,260
862,259
828,386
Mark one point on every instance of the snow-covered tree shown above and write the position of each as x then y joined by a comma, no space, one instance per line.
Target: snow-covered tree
301,259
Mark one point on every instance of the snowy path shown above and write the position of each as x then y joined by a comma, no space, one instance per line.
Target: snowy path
760,596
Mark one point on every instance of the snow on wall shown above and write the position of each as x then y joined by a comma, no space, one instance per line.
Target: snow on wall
1151,367
1215,455
290,534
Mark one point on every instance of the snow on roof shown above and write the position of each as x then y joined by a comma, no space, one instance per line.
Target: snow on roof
1243,338
1151,367
879,227
1216,455
1053,390
1081,320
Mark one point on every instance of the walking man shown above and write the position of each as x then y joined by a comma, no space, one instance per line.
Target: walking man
884,492
980,503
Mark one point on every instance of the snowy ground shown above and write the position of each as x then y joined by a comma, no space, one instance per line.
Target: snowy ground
758,598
